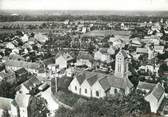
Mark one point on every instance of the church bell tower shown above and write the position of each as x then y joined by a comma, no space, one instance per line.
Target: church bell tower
121,64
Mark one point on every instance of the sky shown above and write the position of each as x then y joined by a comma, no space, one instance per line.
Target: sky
150,5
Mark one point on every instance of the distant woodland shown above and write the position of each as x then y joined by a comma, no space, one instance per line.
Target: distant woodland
109,18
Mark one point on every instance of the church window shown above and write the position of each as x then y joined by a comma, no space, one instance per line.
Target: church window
119,67
85,90
115,91
75,88
97,93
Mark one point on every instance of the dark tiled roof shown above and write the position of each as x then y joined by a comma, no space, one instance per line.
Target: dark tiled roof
81,78
122,83
124,53
92,80
20,71
32,83
105,80
105,83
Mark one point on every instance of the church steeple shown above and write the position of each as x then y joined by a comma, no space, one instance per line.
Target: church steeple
121,64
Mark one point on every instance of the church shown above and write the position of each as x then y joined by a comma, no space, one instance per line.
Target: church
98,85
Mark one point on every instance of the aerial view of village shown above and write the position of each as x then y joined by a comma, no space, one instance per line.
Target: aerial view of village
83,63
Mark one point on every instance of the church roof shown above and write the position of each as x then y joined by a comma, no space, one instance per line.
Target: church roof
80,78
124,53
122,83
106,81
92,80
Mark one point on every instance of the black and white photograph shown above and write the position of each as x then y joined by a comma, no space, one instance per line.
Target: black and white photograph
83,58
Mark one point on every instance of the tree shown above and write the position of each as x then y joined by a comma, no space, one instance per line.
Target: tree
37,107
112,106
163,68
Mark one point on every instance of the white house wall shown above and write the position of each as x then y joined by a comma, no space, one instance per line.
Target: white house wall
97,87
85,86
74,84
61,62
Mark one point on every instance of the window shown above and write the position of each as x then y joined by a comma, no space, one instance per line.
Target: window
119,67
115,91
75,88
97,93
85,90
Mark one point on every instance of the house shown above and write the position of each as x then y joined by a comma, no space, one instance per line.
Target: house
84,58
111,50
29,85
159,49
136,42
22,101
66,22
155,40
84,29
154,94
14,65
10,45
15,51
16,57
7,104
21,75
102,55
63,60
98,85
145,87
24,38
150,68
40,37
150,53
142,51
116,42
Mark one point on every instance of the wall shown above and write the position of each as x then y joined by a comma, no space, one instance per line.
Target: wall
85,85
72,85
97,87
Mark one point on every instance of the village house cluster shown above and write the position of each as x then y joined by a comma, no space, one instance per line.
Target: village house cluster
99,60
